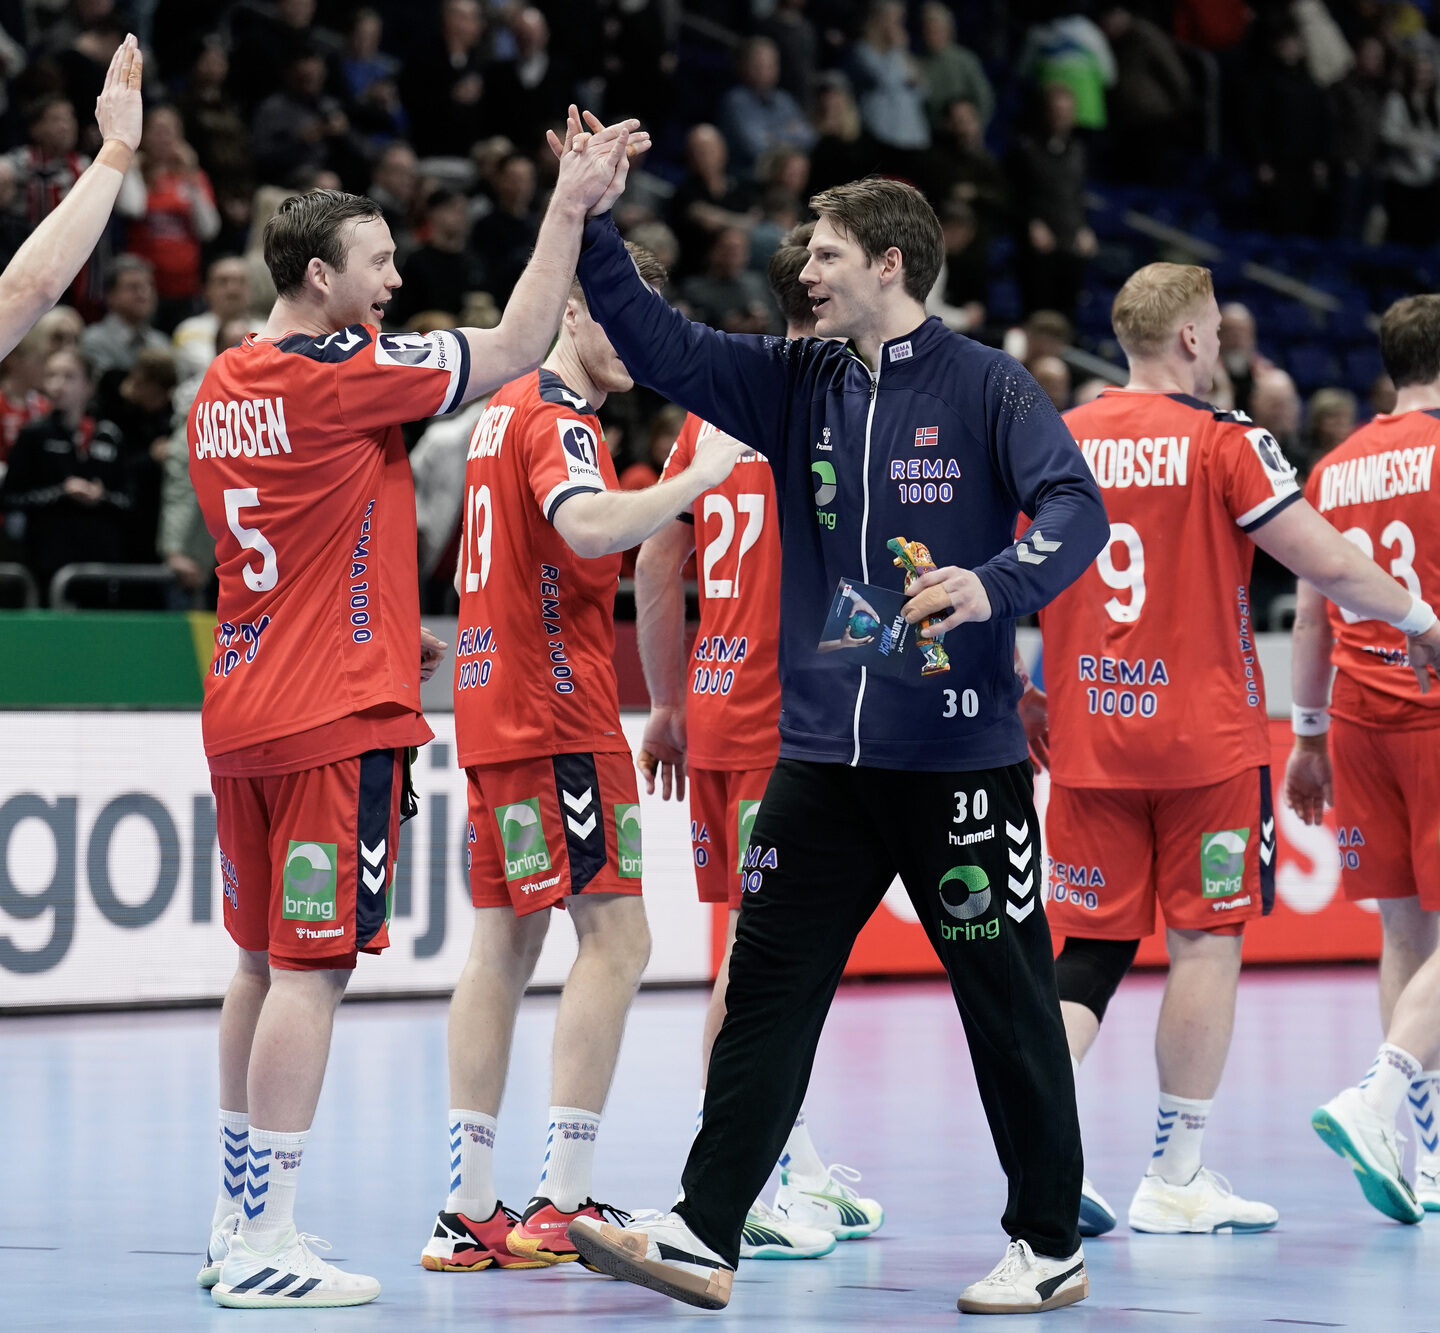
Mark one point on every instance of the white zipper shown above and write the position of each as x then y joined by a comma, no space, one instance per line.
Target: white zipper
864,533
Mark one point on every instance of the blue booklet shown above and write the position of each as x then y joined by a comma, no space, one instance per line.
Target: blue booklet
866,627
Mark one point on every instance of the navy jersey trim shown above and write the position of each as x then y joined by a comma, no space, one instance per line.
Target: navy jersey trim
557,500
373,854
342,345
582,817
1273,510
1267,844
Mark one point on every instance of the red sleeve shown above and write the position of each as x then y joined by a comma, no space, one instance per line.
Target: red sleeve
401,377
1255,478
682,452
562,455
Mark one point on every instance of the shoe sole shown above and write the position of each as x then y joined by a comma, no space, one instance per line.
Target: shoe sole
1219,1229
1381,1191
246,1300
436,1264
689,1288
525,1248
208,1276
1431,1205
1094,1220
1066,1296
779,1252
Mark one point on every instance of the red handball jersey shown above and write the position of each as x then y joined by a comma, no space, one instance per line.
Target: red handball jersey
1376,488
733,713
303,481
1150,658
535,659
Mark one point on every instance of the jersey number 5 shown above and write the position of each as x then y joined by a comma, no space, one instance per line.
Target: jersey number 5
718,506
477,537
1131,578
251,539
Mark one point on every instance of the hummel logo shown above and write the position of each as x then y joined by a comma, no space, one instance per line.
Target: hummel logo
1037,539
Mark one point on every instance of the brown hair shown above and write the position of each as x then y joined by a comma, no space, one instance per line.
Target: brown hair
786,263
1410,340
312,226
878,214
646,264
1152,304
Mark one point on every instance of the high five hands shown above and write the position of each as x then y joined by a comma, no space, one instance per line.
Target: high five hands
595,158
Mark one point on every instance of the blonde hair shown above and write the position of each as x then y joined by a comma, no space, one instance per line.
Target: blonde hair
1153,304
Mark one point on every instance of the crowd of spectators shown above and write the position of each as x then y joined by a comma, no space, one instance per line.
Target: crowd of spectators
1005,114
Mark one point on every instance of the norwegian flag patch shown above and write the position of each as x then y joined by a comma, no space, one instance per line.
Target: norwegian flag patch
927,436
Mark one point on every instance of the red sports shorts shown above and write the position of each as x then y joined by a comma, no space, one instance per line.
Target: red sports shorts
1387,812
307,859
723,805
543,829
1206,853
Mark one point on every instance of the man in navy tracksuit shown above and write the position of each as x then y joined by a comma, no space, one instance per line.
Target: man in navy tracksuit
909,431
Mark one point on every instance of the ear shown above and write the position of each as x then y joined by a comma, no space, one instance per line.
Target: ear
570,320
1190,337
892,266
317,275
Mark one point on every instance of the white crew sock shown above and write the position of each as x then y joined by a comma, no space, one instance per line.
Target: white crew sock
234,1139
1425,1111
1388,1080
472,1164
569,1157
1179,1128
272,1173
799,1156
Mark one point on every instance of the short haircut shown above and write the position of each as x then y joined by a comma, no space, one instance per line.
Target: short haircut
649,267
310,226
37,110
876,214
123,264
81,359
790,257
1153,303
155,365
1410,340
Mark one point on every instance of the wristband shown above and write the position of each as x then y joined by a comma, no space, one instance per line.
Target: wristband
1421,617
116,153
1309,721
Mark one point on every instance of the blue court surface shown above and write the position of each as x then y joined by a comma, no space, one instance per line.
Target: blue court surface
107,1172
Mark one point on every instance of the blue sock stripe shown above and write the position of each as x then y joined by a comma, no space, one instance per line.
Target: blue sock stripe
258,1154
239,1136
455,1162
253,1213
235,1191
455,1185
257,1190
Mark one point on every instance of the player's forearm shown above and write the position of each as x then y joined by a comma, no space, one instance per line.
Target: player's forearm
1346,576
55,251
1310,643
660,623
605,522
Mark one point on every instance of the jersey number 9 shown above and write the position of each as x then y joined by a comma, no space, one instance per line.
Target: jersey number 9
1131,578
477,537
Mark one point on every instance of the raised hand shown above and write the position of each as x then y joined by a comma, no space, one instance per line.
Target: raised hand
579,140
117,110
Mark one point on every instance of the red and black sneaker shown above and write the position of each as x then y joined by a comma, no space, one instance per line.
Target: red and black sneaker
541,1235
459,1245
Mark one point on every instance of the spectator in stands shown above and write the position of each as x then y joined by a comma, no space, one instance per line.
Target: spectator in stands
443,88
844,149
47,167
68,478
960,166
1275,405
1287,133
439,274
1047,171
756,115
958,297
1053,376
268,38
1151,97
227,296
130,300
644,472
138,402
395,186
1381,395
301,125
729,295
1087,391
708,200
951,71
1073,51
22,402
798,45
1329,420
220,136
13,228
784,194
657,238
180,215
82,64
1410,131
1044,333
891,85
1240,352
526,95
1357,103
503,239
60,328
371,86
639,57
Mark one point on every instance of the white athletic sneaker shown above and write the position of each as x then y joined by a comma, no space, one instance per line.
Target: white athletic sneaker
291,1274
1350,1127
1427,1182
827,1202
769,1235
661,1253
1024,1282
209,1275
1096,1216
1206,1204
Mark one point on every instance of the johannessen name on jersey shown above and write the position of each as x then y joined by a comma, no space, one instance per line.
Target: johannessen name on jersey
230,427
1355,481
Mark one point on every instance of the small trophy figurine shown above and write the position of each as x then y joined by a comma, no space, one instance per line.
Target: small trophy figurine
914,558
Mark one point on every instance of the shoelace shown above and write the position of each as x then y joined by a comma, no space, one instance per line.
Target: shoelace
1216,1179
608,1212
839,1173
1017,1259
767,1214
309,1243
510,1215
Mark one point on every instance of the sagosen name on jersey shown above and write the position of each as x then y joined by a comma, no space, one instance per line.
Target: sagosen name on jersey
1161,461
489,432
1376,477
229,427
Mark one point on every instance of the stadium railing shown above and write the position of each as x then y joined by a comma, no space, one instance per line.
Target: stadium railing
114,577
17,583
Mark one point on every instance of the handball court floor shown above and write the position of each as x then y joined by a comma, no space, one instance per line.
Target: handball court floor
107,1168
